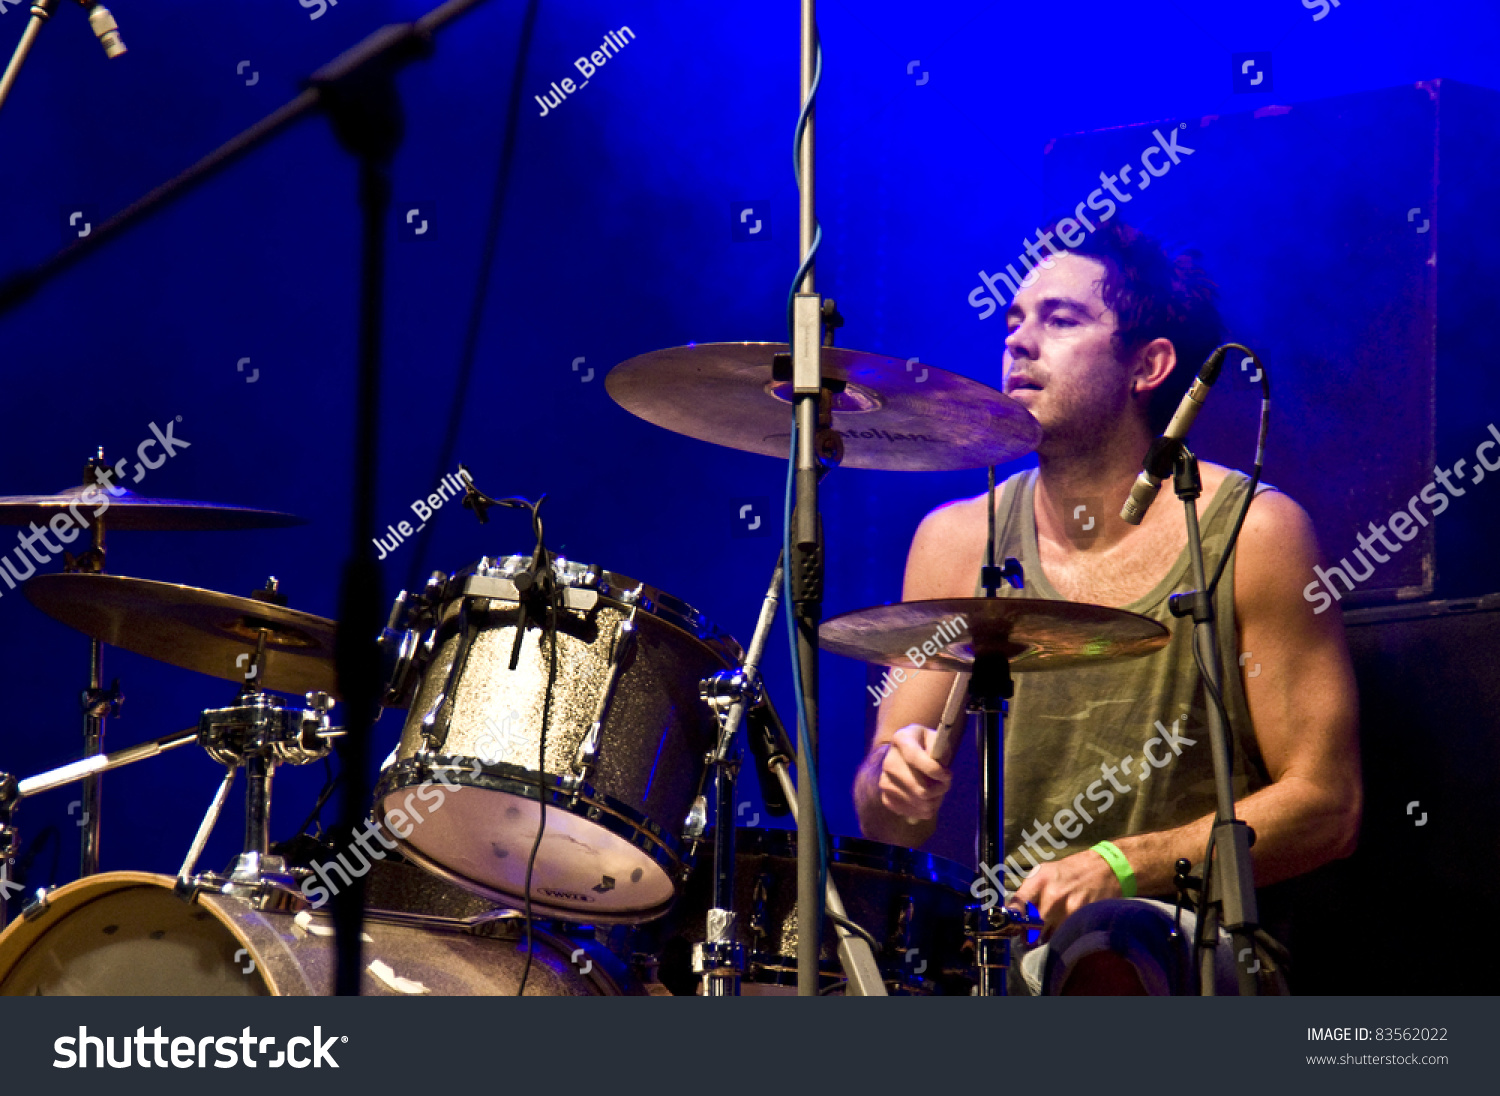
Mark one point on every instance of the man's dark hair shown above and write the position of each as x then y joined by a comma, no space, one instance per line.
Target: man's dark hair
1154,295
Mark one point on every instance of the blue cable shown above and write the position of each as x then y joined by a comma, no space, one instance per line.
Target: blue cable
809,771
807,260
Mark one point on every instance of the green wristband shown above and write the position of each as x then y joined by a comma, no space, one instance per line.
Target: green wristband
1119,865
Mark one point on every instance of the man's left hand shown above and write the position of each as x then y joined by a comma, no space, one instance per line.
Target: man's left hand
1062,888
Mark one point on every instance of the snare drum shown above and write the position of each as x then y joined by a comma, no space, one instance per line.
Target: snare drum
911,902
128,934
625,743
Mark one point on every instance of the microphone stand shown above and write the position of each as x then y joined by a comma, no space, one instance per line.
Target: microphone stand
1229,893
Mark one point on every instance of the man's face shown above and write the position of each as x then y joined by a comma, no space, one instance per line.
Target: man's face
1059,355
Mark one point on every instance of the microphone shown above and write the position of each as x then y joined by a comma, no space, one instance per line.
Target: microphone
1163,452
105,28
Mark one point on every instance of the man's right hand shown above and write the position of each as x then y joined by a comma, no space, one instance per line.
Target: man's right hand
912,785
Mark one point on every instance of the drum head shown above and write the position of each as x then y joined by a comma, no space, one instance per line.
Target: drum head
584,870
126,934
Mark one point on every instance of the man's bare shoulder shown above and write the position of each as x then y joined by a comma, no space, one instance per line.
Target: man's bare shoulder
1276,552
946,550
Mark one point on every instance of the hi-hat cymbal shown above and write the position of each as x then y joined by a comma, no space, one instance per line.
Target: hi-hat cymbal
1034,634
200,630
891,414
127,510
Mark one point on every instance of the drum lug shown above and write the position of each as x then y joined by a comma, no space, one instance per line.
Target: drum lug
759,901
430,741
696,821
587,755
40,903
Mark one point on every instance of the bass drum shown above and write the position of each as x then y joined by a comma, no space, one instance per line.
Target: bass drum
128,934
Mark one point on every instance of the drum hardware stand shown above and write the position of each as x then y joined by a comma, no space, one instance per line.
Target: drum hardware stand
12,791
732,695
98,702
1230,884
990,689
855,954
9,795
720,959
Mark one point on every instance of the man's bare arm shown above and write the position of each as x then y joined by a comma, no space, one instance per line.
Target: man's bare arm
889,791
1303,706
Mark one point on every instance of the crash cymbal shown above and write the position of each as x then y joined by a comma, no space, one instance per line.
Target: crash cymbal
200,630
127,510
1033,633
891,414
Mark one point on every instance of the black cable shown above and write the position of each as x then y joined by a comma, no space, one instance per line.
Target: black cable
482,285
845,923
330,782
1214,694
541,565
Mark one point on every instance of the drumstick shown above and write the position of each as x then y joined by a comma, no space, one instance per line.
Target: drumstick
950,725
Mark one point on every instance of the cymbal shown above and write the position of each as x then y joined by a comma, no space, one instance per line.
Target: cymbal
1035,634
200,630
891,415
140,512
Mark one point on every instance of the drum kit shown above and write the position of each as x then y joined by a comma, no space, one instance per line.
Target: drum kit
561,801
611,710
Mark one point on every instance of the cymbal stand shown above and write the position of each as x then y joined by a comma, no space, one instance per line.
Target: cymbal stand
806,562
720,959
990,689
99,703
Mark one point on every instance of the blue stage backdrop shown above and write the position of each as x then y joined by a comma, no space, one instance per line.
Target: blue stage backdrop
232,314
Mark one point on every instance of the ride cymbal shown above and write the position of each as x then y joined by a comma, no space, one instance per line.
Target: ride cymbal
891,414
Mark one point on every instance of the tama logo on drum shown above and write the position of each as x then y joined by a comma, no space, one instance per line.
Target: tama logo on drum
573,896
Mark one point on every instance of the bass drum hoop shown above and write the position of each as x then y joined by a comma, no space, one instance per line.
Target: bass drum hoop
277,972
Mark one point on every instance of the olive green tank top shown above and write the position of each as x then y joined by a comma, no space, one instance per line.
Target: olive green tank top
1119,748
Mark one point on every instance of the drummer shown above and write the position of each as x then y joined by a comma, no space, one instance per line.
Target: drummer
1109,778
